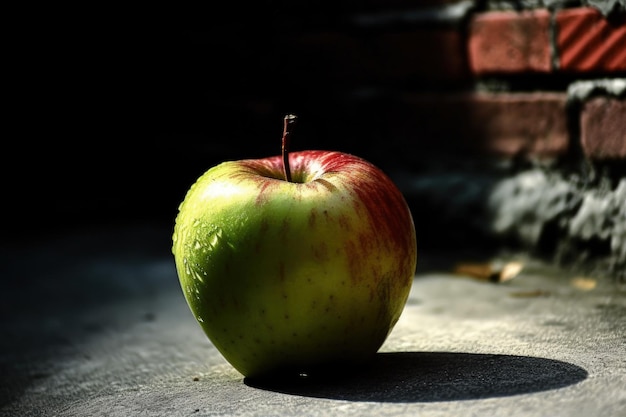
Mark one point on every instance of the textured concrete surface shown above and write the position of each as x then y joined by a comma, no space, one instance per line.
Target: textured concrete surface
94,324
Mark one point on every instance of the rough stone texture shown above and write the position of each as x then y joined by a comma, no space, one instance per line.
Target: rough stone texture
582,90
524,205
549,212
510,42
602,218
557,216
514,4
95,323
603,128
618,237
606,7
587,42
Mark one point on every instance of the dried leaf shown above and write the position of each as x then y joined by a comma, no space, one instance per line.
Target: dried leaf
489,271
510,270
480,271
584,284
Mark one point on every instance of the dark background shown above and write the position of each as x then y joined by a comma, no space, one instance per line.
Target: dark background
111,119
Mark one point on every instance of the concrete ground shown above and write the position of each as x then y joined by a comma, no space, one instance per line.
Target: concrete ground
94,324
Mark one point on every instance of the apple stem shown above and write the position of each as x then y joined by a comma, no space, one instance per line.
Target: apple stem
290,121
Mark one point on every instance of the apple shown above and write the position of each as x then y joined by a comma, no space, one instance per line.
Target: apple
295,262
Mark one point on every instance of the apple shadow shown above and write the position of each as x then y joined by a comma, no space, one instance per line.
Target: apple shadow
431,377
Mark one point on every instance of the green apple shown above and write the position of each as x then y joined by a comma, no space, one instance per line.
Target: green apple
293,263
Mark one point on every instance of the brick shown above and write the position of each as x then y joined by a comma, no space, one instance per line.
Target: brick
500,124
587,42
506,42
603,128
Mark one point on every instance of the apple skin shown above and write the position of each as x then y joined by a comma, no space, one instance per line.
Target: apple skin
288,277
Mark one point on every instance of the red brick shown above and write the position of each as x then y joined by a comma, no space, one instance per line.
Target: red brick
587,42
507,42
500,124
603,128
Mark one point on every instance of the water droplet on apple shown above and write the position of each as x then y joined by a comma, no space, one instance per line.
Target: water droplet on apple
196,275
215,236
200,319
186,264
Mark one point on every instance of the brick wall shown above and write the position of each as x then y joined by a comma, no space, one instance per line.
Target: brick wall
456,75
503,122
